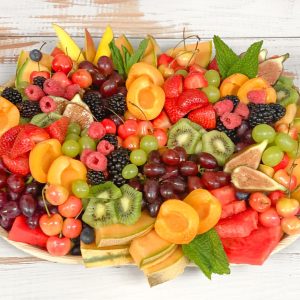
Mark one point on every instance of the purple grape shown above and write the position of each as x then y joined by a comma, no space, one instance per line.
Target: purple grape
108,88
136,184
87,65
154,156
13,195
98,79
3,180
242,129
179,184
167,191
6,223
154,169
182,153
240,146
27,205
117,78
105,65
154,209
32,188
207,161
3,198
248,137
122,90
116,119
151,190
188,168
171,172
10,210
33,221
171,157
16,183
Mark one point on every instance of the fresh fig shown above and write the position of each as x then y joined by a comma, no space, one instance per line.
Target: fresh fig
250,157
251,180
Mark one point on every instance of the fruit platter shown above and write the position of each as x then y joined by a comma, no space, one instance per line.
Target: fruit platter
112,155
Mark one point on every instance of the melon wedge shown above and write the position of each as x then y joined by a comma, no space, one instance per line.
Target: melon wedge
167,269
150,249
119,234
107,256
45,61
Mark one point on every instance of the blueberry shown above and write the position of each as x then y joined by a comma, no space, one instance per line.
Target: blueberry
87,235
75,250
35,55
242,195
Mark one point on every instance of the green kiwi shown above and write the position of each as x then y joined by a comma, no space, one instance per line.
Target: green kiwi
286,81
99,213
43,119
217,144
285,95
128,207
185,134
106,190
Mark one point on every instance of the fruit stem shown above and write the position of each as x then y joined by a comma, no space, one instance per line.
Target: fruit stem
44,200
29,180
79,213
184,39
293,167
115,114
44,43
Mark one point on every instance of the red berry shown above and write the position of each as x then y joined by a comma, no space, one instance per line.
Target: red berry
109,126
205,116
195,68
195,81
105,147
161,136
84,154
231,120
62,63
283,164
223,106
83,78
257,96
62,78
58,246
47,104
58,129
54,88
34,92
173,86
259,202
162,121
18,165
129,127
96,130
71,91
96,161
242,110
192,99
213,65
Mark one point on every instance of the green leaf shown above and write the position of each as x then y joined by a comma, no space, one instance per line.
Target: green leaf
117,58
225,56
138,54
127,57
248,64
207,252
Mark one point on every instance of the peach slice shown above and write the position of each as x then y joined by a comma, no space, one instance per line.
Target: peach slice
231,84
64,170
253,84
140,69
145,100
41,158
9,115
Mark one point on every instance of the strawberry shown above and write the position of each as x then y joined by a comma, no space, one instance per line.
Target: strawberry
205,116
195,68
162,121
8,138
173,86
19,165
164,59
192,99
213,65
195,81
173,110
58,129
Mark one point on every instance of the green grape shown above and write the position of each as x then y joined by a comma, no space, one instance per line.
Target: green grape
294,154
70,148
149,143
212,93
130,171
213,78
272,156
72,136
263,132
87,143
84,132
138,157
80,188
74,128
285,142
181,72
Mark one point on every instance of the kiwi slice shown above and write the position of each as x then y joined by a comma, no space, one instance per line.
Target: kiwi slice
128,207
286,81
196,126
184,134
285,95
43,119
99,213
217,144
107,191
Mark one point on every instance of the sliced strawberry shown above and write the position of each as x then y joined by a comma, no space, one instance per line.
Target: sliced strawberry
195,68
173,86
162,121
58,129
173,110
164,59
195,81
8,138
213,65
18,165
205,116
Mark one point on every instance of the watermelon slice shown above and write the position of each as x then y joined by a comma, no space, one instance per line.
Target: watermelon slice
240,225
233,208
20,232
253,249
225,194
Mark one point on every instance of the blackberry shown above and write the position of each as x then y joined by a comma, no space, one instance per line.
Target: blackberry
29,109
12,95
265,113
94,177
117,103
39,81
96,105
231,133
234,99
112,139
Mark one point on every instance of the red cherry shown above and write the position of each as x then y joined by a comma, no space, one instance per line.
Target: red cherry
62,63
71,208
34,74
131,142
275,196
161,136
62,78
109,126
144,128
56,51
128,128
58,246
83,78
51,225
72,228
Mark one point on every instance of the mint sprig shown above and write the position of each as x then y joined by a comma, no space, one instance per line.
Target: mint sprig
207,252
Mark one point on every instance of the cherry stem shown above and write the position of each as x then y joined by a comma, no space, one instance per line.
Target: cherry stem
44,43
293,167
184,39
44,200
79,213
115,114
81,50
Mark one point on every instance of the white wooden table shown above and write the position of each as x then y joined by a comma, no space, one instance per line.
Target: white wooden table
25,24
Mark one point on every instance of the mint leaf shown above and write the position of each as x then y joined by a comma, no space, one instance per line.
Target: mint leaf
117,58
225,56
127,57
248,64
207,252
138,54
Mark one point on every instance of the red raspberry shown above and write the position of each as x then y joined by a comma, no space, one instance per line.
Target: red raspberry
105,147
84,154
34,92
96,130
47,104
71,91
257,96
242,110
96,161
223,107
54,88
231,120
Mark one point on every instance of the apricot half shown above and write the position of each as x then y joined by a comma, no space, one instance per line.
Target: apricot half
140,69
231,84
145,100
256,84
9,115
41,158
64,170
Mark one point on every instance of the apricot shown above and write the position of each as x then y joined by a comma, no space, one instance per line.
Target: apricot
64,170
257,84
41,158
142,68
231,84
177,222
9,115
290,114
207,206
145,100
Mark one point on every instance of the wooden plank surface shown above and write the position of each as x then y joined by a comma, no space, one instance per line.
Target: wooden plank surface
25,24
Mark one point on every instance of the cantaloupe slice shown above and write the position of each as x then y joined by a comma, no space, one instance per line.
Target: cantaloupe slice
119,234
46,59
149,248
